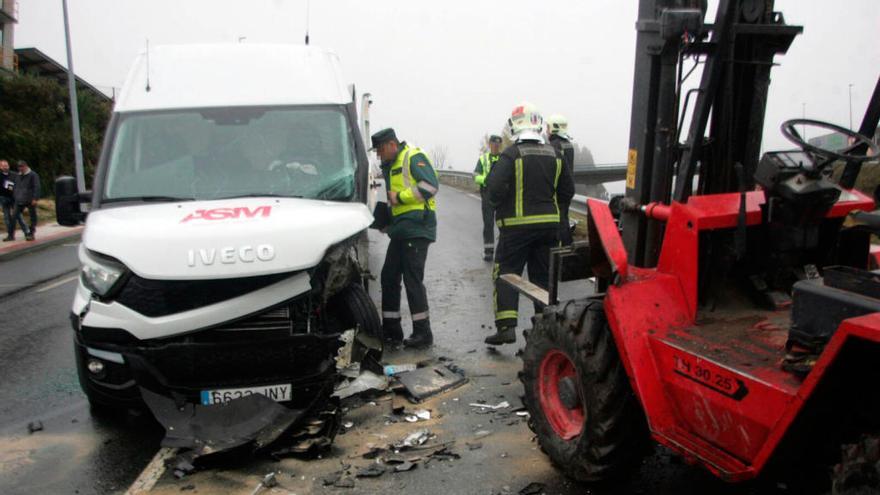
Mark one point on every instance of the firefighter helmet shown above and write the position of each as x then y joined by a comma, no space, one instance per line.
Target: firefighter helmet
525,117
557,124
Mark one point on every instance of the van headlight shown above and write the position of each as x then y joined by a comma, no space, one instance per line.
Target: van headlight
99,273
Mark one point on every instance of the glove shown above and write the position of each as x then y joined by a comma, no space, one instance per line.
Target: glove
480,179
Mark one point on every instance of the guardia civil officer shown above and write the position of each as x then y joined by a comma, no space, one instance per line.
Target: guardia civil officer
557,135
481,171
412,185
528,187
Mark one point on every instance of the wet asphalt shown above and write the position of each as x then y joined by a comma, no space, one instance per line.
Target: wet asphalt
81,454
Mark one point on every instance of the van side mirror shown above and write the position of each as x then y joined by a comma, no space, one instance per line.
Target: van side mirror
67,202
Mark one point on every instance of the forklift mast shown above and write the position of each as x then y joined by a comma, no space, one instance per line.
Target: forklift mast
736,53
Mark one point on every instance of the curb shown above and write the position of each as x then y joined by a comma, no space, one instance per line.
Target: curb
55,239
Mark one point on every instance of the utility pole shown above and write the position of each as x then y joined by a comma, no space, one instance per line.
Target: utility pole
850,105
74,110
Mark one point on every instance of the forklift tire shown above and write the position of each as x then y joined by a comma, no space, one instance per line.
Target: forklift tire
581,406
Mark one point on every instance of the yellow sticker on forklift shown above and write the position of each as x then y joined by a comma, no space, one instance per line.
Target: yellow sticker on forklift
631,160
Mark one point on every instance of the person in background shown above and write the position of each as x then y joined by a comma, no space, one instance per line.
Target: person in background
7,183
26,193
481,172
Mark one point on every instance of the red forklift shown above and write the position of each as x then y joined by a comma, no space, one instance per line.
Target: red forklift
736,319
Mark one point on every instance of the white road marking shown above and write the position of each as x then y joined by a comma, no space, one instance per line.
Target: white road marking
58,283
151,474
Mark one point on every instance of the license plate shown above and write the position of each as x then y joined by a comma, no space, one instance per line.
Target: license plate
278,393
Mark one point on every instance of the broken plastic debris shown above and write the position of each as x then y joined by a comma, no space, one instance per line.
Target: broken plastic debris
533,489
35,426
348,424
268,481
404,466
500,405
394,369
415,438
411,418
423,414
367,380
522,413
371,471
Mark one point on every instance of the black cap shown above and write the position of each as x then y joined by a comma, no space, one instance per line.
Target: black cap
383,136
494,138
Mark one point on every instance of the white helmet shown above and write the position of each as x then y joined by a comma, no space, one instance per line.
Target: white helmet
558,125
525,117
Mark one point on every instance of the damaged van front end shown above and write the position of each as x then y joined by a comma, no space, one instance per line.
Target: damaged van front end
224,260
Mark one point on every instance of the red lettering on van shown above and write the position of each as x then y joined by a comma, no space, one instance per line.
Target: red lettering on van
227,213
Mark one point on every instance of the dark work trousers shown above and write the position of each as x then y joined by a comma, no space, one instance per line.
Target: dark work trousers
405,259
488,221
18,217
8,206
516,249
565,237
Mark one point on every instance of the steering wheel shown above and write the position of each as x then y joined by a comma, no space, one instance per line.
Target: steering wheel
790,133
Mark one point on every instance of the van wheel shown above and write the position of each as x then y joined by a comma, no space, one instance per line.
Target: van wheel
581,407
352,307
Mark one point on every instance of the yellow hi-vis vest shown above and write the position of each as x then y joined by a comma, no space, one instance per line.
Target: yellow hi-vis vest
486,163
401,182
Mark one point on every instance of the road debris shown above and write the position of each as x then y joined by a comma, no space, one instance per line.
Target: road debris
396,369
366,380
269,481
372,471
404,466
414,439
533,488
474,445
34,426
500,405
429,381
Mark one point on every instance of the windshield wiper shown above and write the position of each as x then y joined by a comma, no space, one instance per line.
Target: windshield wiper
147,199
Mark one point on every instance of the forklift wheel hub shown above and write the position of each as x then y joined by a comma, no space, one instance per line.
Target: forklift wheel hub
555,372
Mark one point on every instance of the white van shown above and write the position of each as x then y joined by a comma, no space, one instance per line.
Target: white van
225,248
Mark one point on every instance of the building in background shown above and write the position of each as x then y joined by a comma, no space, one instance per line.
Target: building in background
33,62
8,19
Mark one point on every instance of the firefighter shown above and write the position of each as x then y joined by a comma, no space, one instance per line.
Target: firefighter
557,135
411,184
484,165
528,187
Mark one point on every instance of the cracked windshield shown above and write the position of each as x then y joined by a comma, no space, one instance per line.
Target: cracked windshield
232,152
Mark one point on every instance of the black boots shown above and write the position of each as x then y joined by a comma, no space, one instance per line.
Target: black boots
421,336
392,333
504,335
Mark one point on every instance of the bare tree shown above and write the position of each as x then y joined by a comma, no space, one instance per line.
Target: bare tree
439,155
583,155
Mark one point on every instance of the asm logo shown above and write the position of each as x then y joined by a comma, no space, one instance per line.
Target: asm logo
227,213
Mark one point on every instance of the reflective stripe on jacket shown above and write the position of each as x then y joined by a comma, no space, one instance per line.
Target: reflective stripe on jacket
411,199
527,185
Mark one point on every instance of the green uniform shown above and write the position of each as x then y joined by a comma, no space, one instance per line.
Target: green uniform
415,187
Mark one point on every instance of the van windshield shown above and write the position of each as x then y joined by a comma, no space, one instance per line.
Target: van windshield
231,152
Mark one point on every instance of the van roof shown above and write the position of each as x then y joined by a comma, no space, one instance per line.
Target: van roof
232,74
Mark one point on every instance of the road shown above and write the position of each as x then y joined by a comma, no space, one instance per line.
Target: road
76,453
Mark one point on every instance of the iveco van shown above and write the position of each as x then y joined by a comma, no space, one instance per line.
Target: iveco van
224,252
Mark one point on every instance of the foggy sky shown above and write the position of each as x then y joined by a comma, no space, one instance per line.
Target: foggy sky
445,73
